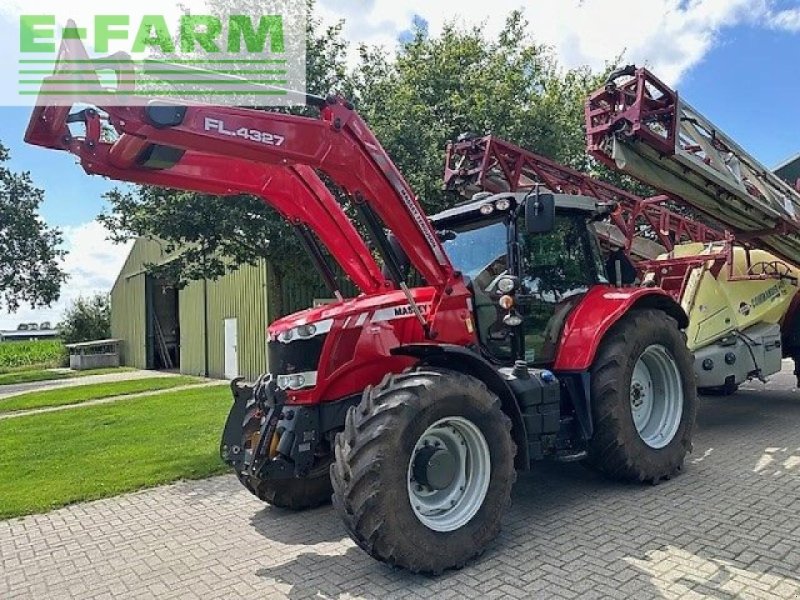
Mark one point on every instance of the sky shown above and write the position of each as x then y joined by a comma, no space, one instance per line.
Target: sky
736,61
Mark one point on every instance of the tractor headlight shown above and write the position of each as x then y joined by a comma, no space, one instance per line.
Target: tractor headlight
487,209
297,381
306,331
503,204
506,285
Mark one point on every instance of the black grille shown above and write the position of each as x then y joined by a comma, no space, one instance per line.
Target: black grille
296,356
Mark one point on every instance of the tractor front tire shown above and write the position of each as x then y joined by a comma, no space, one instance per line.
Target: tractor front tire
297,493
644,399
424,469
293,493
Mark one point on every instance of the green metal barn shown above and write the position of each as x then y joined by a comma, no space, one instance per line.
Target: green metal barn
212,328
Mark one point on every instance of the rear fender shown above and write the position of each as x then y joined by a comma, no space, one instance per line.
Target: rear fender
464,360
597,312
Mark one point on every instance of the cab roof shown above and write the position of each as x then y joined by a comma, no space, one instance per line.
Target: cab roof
472,208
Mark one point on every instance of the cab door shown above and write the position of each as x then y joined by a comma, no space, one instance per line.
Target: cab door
556,270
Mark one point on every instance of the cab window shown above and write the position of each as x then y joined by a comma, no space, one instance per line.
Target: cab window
557,269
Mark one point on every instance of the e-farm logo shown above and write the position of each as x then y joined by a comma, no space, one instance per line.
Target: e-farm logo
196,32
252,59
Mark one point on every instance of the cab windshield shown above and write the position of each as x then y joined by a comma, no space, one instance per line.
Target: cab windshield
480,251
556,268
475,248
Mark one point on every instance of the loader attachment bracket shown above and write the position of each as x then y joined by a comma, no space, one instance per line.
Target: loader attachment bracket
231,450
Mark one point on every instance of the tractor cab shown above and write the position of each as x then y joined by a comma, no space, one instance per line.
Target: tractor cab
528,259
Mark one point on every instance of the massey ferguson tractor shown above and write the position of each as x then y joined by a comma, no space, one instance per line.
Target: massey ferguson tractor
531,322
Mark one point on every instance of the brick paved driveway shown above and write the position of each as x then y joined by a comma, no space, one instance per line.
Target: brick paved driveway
729,527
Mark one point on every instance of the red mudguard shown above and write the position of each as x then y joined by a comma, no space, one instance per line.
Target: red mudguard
601,307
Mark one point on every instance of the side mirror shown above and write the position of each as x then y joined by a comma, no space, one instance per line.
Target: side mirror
540,213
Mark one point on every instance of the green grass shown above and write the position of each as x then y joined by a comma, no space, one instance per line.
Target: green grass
92,391
54,459
40,354
32,375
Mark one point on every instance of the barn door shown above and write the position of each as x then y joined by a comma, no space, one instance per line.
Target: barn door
231,352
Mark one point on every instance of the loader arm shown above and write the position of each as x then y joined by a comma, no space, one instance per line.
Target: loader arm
339,144
228,150
296,193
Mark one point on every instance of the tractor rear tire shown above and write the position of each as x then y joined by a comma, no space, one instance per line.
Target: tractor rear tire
644,399
384,462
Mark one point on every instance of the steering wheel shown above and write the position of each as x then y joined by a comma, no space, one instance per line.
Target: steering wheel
486,277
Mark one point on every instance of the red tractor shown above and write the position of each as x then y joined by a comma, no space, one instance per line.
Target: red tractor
483,339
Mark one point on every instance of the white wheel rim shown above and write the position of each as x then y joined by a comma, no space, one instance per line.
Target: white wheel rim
453,506
656,397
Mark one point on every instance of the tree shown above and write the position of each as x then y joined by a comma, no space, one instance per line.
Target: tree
461,81
87,319
30,270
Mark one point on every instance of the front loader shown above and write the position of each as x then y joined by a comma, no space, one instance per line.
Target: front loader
483,339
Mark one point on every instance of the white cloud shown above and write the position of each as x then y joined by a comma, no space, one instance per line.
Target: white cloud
92,264
670,36
787,20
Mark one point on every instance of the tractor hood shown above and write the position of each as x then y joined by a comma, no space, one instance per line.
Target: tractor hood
336,350
384,307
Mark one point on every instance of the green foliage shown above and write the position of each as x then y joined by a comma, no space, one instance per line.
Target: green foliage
92,391
30,256
40,353
87,319
462,81
100,451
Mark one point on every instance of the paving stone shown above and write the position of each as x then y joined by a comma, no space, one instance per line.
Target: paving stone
728,527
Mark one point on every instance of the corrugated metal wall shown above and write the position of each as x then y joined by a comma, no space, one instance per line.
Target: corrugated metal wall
128,319
298,295
128,308
203,308
192,324
294,296
241,295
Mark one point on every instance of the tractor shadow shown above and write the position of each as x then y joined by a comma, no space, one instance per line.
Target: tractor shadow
350,573
303,528
718,528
